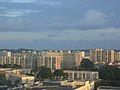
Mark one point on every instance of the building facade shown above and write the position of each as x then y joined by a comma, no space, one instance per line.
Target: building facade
72,60
82,75
102,55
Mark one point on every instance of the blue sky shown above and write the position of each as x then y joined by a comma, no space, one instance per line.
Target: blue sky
59,24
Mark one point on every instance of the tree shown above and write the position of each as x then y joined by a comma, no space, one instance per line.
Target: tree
16,66
11,66
8,83
58,73
17,82
6,66
104,72
87,64
100,83
109,72
44,73
35,71
2,79
65,76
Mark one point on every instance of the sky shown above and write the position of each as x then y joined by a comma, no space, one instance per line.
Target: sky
60,24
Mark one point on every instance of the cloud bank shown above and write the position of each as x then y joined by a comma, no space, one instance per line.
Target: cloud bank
65,22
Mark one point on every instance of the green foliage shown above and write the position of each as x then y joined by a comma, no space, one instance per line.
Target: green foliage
65,76
17,82
100,83
87,64
6,66
44,73
41,73
106,83
16,66
35,71
109,72
110,76
58,73
8,83
10,66
2,79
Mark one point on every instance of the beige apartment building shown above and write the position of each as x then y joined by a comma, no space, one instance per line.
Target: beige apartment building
57,60
72,60
96,55
51,60
101,55
24,59
117,56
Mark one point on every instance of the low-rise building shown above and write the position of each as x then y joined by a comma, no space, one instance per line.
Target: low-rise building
20,78
82,75
108,88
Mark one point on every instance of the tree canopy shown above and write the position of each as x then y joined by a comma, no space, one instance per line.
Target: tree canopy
109,72
10,66
58,72
2,78
109,76
44,73
87,64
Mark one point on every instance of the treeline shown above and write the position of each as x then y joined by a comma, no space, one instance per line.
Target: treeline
44,73
109,75
10,66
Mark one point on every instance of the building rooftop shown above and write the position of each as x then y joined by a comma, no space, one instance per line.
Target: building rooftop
83,70
19,75
108,88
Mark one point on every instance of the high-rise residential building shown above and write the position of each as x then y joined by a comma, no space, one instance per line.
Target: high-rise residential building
105,56
96,55
68,60
112,58
57,59
72,59
5,57
50,59
101,55
78,58
24,59
93,55
117,56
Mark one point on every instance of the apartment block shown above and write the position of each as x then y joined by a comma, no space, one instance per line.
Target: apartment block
72,60
102,55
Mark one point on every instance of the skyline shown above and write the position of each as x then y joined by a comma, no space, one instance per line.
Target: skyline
59,24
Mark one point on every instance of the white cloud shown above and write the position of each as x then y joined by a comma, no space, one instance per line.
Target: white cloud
14,13
44,2
3,8
67,35
18,1
92,17
22,1
93,34
48,2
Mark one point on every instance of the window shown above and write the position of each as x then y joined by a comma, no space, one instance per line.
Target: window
80,76
88,76
83,75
